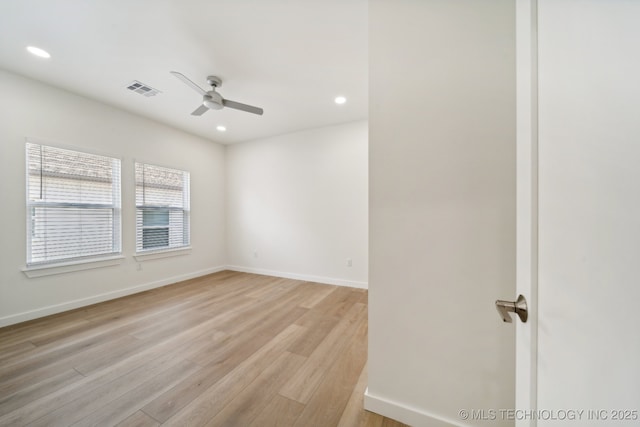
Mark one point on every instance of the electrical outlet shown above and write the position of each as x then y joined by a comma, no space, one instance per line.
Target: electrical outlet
139,267
255,254
349,262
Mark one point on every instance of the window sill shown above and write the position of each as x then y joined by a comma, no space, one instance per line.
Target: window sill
145,256
70,266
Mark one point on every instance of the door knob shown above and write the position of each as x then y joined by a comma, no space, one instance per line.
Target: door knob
518,307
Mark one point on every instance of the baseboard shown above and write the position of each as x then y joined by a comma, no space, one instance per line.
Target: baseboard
70,305
296,276
405,413
82,302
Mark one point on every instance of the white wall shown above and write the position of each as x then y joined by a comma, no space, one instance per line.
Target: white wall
32,109
300,202
442,208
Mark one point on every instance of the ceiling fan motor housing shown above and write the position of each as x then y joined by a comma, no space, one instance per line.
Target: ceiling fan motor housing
213,100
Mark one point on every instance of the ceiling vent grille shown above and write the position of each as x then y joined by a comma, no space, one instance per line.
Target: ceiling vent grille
142,89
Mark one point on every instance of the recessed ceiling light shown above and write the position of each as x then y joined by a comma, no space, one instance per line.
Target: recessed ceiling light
38,52
340,100
221,128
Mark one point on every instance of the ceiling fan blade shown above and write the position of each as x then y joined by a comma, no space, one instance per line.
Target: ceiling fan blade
242,107
188,82
200,110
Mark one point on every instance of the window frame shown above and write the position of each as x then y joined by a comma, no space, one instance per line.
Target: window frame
82,261
164,251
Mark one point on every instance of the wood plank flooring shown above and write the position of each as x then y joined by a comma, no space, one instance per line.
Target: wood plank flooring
228,349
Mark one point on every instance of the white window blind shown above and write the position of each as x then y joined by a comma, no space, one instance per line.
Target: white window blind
73,205
162,208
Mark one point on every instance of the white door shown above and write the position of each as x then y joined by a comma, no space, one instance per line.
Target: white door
578,359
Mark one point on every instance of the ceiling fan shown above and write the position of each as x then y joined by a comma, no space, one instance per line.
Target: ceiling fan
212,100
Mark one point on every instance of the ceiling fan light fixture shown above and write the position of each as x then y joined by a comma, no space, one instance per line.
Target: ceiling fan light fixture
41,53
340,100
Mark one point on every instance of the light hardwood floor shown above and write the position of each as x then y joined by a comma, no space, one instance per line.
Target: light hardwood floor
228,349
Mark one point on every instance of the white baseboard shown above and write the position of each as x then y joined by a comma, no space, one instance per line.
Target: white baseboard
70,305
405,413
297,276
82,302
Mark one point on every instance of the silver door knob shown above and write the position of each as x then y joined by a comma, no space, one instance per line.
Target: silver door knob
518,307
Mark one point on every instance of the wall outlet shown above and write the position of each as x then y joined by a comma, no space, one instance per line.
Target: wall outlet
139,267
255,254
349,262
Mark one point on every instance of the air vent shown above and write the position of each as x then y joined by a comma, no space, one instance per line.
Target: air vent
142,89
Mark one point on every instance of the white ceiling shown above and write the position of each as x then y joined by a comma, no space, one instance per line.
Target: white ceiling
290,57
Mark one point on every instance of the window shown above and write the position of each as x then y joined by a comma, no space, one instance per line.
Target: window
73,205
162,208
155,228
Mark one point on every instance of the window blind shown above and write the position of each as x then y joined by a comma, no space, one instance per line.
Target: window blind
73,204
162,208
